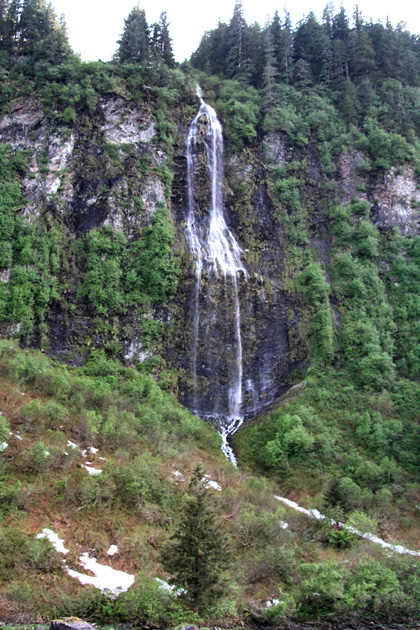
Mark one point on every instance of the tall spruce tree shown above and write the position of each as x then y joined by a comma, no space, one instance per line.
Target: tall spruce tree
166,41
197,553
161,42
270,73
9,20
134,45
39,34
237,26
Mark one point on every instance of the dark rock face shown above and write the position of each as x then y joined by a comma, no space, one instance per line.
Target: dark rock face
265,346
267,320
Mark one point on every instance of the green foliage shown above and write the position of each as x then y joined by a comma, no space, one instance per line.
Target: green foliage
239,109
291,441
29,554
367,318
321,587
4,429
316,290
140,481
153,269
102,286
29,253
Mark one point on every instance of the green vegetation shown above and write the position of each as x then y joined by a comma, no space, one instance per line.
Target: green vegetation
145,436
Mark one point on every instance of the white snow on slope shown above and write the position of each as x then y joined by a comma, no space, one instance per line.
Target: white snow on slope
171,588
112,550
107,578
93,471
367,535
55,540
209,483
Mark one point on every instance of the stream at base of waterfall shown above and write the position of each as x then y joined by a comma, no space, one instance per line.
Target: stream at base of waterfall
216,346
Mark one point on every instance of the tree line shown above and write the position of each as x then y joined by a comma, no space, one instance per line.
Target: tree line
31,34
334,52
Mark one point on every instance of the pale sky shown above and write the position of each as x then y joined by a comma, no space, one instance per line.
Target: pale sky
94,26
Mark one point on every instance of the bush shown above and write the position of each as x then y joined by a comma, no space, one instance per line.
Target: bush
140,482
291,441
321,588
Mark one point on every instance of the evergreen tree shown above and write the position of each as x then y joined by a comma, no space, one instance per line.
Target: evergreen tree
210,56
362,62
309,45
253,63
161,40
349,103
196,554
341,45
40,35
134,45
270,73
9,19
285,65
275,32
166,41
237,27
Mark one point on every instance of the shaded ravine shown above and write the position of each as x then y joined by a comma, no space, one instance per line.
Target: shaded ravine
216,347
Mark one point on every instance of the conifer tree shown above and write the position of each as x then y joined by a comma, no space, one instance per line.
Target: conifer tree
40,35
275,32
270,73
237,26
196,554
285,65
165,41
9,18
134,44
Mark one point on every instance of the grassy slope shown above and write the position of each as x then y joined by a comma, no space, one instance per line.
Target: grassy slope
144,435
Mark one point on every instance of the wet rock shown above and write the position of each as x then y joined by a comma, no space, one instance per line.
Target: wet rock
397,201
126,123
70,623
351,181
276,152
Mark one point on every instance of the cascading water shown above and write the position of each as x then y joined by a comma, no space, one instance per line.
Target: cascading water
216,349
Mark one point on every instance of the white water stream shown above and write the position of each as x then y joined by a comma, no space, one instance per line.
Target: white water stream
218,256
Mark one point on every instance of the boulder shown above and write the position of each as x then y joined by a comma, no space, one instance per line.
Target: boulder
70,623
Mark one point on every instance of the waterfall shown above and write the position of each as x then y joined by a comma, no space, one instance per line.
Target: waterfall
216,345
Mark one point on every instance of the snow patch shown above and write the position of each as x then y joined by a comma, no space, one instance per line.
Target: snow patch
72,444
94,450
367,535
92,471
3,446
112,550
170,588
55,540
208,483
107,578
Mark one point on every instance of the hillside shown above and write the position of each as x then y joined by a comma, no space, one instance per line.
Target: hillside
247,252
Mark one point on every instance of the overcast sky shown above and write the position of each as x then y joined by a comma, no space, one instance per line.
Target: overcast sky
94,26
